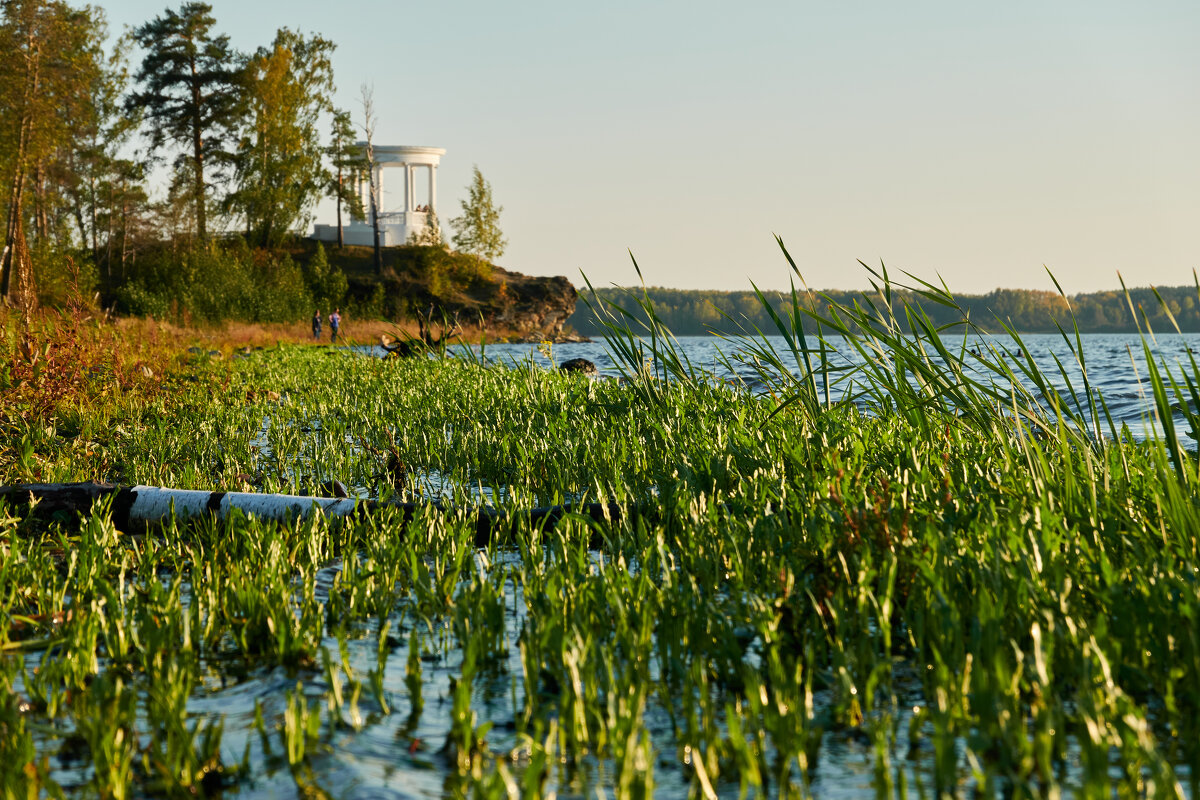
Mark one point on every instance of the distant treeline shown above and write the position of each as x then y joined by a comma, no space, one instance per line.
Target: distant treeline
689,312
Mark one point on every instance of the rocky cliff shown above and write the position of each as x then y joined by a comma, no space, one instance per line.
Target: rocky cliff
530,306
416,279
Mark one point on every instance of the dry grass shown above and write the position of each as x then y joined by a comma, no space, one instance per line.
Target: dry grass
235,335
77,356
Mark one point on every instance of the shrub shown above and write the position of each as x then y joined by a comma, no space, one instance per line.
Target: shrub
135,299
61,276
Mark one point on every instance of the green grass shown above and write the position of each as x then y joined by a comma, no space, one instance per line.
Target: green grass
929,573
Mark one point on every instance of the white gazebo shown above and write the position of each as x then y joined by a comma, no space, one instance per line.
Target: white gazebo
404,204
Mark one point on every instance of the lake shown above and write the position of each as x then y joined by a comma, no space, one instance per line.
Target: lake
1116,363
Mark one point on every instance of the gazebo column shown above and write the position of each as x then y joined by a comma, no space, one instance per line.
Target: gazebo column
433,187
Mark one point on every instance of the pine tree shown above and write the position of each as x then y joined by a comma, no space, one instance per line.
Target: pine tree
189,94
346,159
477,230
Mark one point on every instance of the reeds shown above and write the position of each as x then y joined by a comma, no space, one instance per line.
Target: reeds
921,570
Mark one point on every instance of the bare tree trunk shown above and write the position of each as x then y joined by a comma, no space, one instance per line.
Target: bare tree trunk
375,227
77,215
341,240
108,234
7,257
374,192
368,101
79,197
140,506
94,221
16,254
124,236
41,224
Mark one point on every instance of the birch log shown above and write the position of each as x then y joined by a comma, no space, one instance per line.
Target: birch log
139,506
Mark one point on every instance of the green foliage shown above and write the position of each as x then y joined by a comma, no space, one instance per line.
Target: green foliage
448,273
374,307
279,159
949,582
189,93
63,277
217,283
102,184
327,284
135,298
477,230
430,235
440,273
346,161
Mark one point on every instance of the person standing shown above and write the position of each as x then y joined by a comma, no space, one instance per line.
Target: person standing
316,324
335,322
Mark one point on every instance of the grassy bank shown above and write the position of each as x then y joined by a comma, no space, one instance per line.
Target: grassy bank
947,583
230,283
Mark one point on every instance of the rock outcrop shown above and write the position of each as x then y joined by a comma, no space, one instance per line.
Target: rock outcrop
419,280
530,306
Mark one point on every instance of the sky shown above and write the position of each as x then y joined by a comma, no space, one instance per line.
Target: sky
978,143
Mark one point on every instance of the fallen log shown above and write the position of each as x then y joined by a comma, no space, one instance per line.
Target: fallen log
137,507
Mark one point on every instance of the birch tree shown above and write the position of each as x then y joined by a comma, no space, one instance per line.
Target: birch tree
477,229
279,162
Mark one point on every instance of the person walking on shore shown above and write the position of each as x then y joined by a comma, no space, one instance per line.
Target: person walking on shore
316,324
335,321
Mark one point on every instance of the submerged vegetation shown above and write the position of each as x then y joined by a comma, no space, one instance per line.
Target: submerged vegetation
929,572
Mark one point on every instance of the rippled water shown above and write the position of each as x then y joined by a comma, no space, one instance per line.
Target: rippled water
1116,363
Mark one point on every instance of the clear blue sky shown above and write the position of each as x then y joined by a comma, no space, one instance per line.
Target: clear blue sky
975,141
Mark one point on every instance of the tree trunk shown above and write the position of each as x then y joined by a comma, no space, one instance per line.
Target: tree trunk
13,252
108,234
94,221
341,242
41,224
378,250
198,157
124,236
137,507
375,226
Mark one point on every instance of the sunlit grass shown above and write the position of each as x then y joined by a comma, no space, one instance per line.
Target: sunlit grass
928,572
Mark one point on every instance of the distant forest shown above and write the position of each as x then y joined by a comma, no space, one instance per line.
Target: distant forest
695,312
